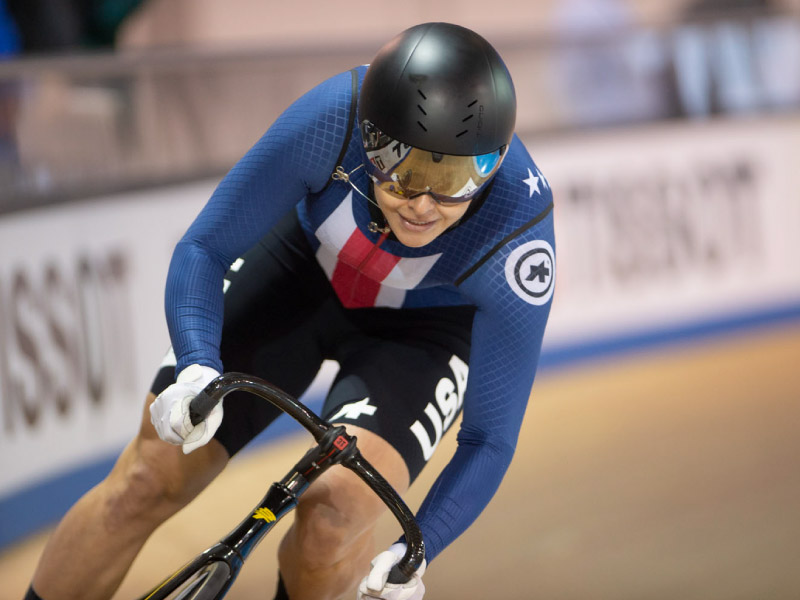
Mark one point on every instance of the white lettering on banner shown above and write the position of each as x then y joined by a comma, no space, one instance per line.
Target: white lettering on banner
64,332
449,399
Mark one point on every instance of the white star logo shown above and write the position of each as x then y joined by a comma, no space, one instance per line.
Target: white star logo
533,183
354,410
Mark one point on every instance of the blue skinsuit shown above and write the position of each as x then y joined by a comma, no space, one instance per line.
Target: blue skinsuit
499,258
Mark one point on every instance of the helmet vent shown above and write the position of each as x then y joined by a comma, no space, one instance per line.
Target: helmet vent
422,110
467,118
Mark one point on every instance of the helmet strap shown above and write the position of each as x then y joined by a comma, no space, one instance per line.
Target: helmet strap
339,174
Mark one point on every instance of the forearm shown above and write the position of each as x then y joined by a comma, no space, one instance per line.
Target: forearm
463,489
195,324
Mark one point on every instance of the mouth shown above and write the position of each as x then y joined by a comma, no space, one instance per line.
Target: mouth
417,225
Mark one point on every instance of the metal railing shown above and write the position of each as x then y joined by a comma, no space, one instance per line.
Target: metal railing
90,124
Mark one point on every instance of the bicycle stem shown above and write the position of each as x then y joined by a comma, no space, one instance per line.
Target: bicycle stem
283,496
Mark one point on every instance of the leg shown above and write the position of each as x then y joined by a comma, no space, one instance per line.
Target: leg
329,546
384,392
106,528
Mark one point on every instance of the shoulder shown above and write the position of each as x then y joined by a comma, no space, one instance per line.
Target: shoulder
521,197
330,99
308,136
516,221
520,190
519,193
518,205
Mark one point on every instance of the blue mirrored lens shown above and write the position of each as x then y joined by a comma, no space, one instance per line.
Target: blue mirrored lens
485,163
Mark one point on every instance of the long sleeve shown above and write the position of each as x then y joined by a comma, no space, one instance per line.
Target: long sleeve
506,343
294,157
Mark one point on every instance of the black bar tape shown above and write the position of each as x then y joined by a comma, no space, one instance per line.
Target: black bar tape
200,406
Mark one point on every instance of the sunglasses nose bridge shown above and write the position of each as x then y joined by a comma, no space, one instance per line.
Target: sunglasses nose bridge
422,202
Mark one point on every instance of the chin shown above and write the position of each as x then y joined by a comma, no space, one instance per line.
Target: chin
414,241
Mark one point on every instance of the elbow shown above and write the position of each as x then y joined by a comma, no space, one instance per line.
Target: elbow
496,446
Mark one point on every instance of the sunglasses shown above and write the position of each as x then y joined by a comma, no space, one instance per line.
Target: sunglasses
407,172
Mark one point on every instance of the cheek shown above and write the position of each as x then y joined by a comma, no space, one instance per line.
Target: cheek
388,206
453,214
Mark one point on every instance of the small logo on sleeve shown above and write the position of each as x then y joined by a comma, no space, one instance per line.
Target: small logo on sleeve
530,271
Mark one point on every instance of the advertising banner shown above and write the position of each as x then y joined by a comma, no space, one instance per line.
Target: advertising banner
658,230
670,225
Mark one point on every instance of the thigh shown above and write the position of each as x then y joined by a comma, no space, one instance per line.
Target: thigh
408,394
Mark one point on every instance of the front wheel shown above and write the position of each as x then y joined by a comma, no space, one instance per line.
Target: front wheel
206,583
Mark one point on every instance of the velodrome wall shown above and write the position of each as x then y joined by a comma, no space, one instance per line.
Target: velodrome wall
663,233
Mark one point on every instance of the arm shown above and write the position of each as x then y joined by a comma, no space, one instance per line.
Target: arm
507,337
294,157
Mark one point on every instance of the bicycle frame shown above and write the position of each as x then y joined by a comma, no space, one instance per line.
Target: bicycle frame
334,446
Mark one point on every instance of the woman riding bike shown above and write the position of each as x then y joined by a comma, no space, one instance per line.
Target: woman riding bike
389,220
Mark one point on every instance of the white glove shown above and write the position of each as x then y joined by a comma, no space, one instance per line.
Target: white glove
169,413
374,585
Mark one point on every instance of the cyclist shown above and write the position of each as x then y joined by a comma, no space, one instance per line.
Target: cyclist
416,252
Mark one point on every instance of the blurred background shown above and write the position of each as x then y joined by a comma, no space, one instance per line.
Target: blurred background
659,456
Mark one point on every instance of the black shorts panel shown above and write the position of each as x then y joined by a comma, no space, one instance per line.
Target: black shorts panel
282,319
409,395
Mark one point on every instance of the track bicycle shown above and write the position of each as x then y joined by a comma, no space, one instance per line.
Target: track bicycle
212,573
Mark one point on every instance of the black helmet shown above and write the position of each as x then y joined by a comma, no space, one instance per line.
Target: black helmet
434,95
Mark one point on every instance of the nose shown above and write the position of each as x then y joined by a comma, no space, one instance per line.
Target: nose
422,204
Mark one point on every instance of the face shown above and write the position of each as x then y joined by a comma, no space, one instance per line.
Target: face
420,220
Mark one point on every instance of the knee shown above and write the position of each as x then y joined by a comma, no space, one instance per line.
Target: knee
331,519
145,487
